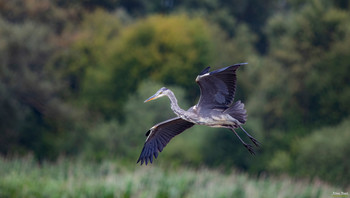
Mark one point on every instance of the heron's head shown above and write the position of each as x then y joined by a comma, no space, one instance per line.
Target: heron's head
160,93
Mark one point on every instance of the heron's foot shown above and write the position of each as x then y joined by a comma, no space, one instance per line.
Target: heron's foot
250,148
255,141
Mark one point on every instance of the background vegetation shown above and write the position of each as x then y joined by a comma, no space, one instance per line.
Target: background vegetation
74,75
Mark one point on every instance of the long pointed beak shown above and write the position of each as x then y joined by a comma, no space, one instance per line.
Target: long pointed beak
151,98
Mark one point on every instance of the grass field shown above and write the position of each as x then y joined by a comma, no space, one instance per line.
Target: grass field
24,177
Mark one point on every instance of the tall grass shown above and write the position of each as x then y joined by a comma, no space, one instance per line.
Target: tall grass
76,178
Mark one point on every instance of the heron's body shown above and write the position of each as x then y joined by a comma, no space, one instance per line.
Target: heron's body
210,117
216,108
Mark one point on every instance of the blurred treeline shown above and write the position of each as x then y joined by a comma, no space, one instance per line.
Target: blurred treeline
74,75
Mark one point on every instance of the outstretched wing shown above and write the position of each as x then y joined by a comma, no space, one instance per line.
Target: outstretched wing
159,136
217,87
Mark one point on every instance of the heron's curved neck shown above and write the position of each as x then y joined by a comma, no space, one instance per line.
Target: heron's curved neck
174,106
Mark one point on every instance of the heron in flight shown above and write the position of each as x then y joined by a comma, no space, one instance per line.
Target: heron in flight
215,108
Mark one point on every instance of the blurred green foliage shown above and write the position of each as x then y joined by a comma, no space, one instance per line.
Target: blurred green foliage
325,149
33,116
79,178
306,94
74,75
156,48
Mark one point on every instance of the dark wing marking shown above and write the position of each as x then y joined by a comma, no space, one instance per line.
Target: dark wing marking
159,136
217,87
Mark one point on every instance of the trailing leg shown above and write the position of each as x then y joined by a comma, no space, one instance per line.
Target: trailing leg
248,146
255,141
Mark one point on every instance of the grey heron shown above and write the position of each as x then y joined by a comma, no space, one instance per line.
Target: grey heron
215,108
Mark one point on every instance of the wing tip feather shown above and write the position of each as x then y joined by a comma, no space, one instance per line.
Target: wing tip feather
204,71
157,140
239,64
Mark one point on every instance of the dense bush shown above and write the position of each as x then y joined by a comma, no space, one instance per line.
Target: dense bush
296,88
33,116
328,150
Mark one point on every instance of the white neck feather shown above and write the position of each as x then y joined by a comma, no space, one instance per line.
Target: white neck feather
174,106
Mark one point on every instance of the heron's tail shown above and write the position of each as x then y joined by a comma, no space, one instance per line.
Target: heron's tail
238,112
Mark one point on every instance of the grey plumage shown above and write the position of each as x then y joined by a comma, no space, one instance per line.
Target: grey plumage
215,108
